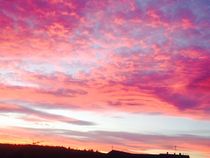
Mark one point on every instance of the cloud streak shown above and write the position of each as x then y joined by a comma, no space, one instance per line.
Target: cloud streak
32,114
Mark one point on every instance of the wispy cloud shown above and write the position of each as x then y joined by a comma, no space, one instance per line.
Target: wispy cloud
33,114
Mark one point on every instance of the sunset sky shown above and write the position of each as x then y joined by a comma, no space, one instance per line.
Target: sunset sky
133,75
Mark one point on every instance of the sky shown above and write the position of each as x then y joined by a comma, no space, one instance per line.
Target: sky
129,75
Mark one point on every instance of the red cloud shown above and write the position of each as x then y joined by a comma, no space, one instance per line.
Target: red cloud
132,56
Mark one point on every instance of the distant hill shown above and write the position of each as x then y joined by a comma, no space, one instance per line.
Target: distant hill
120,154
38,151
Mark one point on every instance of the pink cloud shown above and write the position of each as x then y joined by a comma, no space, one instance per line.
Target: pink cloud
122,56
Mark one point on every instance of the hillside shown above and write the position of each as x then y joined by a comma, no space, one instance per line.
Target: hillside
38,151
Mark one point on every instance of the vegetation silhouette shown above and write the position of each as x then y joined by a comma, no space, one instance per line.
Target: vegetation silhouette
39,151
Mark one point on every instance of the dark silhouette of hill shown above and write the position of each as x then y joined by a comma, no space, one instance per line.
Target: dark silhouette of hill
120,154
38,151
